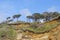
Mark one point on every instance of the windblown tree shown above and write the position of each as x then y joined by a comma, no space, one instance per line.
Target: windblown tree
55,14
8,18
29,17
16,16
47,16
36,16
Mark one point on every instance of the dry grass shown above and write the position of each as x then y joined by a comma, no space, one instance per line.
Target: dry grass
47,26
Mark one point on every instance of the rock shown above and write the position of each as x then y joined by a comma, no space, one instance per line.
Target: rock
19,36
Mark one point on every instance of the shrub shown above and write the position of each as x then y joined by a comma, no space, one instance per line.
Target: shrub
7,33
45,28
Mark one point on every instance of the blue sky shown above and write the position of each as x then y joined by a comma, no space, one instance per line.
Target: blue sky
26,7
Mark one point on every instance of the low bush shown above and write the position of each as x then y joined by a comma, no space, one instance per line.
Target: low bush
46,27
7,33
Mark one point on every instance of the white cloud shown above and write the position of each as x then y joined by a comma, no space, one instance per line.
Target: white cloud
52,9
1,17
25,12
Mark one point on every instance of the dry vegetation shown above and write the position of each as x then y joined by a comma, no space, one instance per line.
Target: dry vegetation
38,28
7,32
10,32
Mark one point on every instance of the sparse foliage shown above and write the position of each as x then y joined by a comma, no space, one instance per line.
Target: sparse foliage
16,16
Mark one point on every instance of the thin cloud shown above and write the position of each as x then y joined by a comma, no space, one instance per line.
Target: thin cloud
25,12
52,9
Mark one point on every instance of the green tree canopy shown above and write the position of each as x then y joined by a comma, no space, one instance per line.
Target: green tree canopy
16,16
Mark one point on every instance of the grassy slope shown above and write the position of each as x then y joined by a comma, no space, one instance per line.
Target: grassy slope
7,32
47,26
